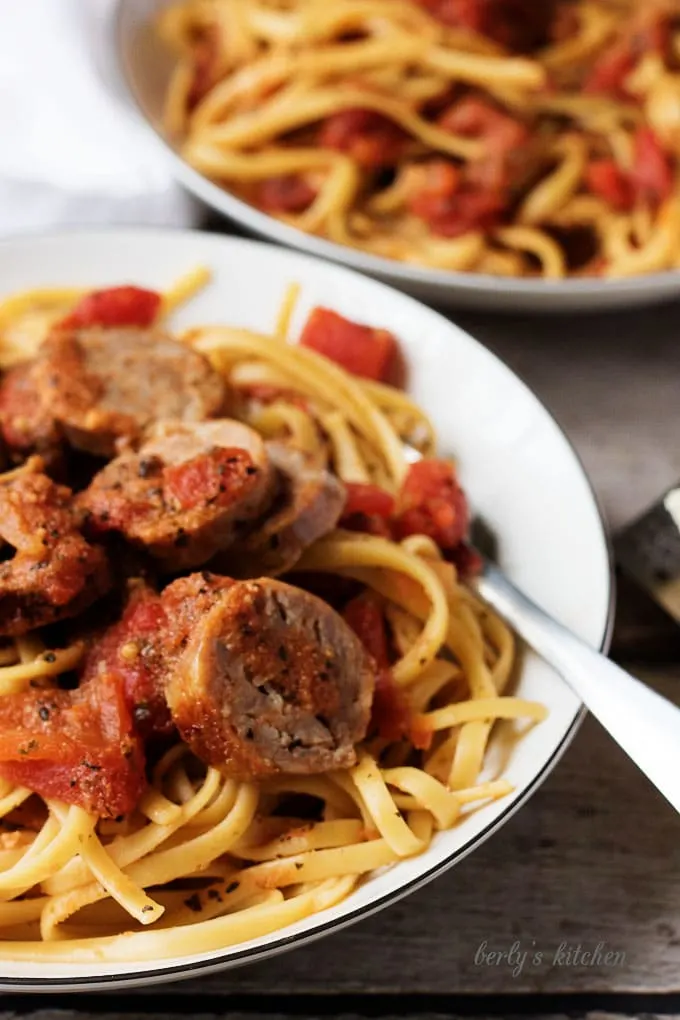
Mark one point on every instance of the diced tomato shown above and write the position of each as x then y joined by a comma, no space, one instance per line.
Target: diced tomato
652,173
469,210
519,25
649,32
368,509
368,137
131,651
216,478
474,117
454,202
468,14
432,184
610,72
75,746
390,714
286,193
432,503
365,617
368,499
605,179
360,350
205,65
116,306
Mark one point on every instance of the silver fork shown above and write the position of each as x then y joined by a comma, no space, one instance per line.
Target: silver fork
644,724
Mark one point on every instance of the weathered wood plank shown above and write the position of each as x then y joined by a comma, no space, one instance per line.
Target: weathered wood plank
594,858
611,381
68,1014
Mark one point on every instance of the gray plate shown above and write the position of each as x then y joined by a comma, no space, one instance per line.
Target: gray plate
147,65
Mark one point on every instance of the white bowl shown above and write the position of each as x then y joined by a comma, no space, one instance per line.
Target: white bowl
147,64
520,471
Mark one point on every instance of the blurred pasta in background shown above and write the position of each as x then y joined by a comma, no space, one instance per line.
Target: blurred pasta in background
511,137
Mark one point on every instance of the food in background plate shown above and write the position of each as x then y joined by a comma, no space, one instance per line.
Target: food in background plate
511,137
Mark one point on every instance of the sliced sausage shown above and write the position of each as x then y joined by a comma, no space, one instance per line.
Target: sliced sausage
54,572
271,680
308,505
189,492
108,385
26,424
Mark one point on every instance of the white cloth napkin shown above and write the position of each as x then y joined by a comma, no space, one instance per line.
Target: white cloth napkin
73,150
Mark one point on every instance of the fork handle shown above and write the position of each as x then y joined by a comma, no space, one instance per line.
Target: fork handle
643,723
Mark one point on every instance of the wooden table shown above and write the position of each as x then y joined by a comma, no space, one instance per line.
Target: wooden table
594,859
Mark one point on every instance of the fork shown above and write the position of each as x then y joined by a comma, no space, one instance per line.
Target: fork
644,724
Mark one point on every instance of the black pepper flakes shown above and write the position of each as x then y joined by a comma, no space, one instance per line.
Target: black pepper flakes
232,887
49,657
194,903
44,713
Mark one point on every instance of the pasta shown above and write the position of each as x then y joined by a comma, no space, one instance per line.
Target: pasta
508,137
207,860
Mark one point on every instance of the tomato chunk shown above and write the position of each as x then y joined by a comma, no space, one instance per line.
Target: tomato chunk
368,137
216,477
432,503
360,350
454,201
365,617
205,65
75,746
609,74
368,509
391,715
648,32
468,210
468,14
368,499
605,179
520,25
131,652
116,306
652,173
286,193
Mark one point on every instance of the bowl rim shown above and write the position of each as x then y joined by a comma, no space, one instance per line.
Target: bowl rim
480,284
238,957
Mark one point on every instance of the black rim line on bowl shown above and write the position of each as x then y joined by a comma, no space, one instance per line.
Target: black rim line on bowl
281,944
357,259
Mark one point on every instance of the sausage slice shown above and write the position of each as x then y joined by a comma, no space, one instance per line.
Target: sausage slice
271,680
54,572
108,385
26,425
308,505
189,492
